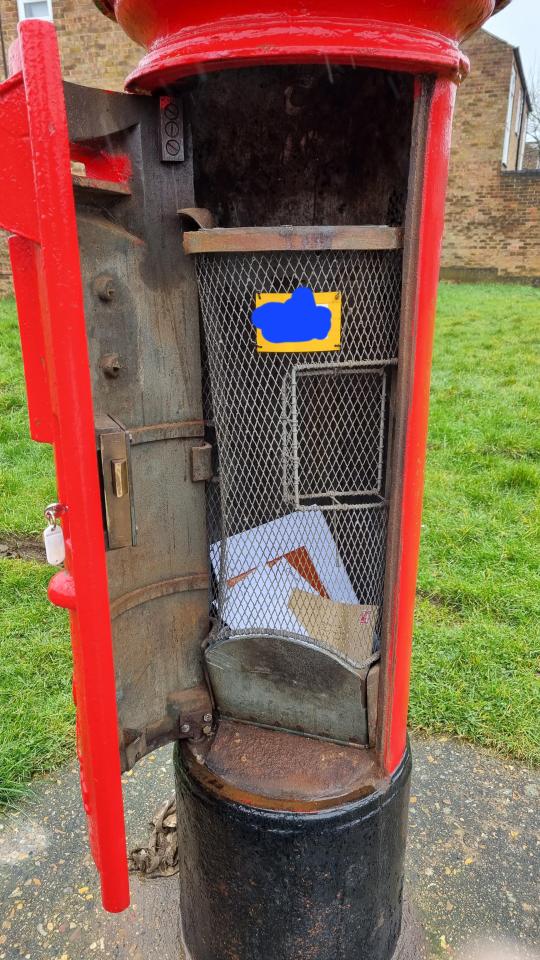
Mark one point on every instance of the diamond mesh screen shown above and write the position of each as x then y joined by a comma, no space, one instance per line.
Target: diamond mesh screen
297,515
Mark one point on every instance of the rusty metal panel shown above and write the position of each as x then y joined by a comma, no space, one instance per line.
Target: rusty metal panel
250,239
296,772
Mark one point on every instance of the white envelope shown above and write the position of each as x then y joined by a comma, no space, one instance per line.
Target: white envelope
261,545
261,600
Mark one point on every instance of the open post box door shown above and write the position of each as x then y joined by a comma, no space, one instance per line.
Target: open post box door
120,400
267,480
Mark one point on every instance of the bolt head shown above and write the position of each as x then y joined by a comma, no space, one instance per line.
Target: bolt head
104,287
207,729
110,364
185,728
207,718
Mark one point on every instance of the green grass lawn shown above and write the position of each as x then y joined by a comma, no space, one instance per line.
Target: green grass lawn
477,639
26,468
477,635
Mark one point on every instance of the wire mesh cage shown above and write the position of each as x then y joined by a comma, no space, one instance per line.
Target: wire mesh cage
297,510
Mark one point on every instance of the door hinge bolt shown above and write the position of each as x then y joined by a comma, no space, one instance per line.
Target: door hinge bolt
207,718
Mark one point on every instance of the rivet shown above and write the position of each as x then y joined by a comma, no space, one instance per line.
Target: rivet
110,364
185,728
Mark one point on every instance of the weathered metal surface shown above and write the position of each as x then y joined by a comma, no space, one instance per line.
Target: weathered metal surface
182,430
199,217
189,717
98,192
96,115
285,885
201,462
301,145
262,767
408,34
372,697
149,321
171,121
288,684
252,239
153,591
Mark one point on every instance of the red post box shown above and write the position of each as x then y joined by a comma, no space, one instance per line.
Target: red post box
226,295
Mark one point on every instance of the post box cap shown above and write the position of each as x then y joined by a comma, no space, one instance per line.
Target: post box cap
183,38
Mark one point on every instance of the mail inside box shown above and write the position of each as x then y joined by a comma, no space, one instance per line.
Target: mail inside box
287,577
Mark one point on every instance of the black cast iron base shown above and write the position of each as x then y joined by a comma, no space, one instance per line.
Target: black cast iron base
269,884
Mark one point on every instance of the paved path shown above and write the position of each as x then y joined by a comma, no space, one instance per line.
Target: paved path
473,864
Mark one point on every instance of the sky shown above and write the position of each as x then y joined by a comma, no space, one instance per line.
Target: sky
519,24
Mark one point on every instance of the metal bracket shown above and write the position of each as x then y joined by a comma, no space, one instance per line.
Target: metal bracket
189,716
201,462
171,114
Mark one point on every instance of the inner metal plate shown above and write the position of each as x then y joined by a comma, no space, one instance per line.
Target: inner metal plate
289,684
255,761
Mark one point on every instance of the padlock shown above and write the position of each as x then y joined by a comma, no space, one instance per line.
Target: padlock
55,548
53,535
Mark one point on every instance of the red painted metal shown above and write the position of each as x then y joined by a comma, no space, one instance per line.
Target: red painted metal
37,204
102,165
427,278
182,38
25,269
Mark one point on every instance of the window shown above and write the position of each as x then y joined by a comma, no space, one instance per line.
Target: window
519,111
509,112
35,9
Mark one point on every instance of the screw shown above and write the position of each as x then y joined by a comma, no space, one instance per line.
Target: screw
207,718
185,728
207,729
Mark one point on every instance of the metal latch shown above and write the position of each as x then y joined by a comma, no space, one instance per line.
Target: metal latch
114,449
201,462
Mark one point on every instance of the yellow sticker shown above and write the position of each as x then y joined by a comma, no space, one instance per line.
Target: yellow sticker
332,341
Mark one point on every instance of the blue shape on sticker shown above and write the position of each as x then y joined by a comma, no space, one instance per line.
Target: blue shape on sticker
297,320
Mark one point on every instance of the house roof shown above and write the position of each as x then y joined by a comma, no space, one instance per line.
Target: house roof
518,62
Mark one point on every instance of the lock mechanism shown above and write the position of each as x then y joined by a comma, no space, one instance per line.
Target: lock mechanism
114,452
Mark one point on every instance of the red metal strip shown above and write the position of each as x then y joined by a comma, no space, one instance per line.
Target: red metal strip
24,254
429,241
100,165
64,337
17,207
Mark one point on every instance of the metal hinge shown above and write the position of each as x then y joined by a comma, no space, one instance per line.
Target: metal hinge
189,716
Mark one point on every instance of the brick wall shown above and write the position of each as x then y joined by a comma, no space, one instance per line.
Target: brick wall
94,51
492,214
